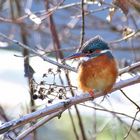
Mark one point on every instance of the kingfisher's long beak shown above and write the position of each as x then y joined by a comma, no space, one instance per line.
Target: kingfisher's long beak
76,55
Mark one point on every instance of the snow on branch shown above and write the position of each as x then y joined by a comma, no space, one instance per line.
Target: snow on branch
62,106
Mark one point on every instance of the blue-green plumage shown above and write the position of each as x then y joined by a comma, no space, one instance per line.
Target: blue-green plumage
94,44
107,53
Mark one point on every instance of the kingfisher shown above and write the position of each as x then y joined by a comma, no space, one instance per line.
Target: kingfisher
98,70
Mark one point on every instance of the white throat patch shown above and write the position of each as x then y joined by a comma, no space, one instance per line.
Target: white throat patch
85,58
104,51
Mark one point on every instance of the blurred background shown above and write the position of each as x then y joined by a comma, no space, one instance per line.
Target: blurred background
55,28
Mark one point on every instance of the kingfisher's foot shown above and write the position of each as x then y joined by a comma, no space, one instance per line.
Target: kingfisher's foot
104,97
91,93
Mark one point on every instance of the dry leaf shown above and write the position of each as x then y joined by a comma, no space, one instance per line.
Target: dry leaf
34,18
127,31
123,4
135,4
111,13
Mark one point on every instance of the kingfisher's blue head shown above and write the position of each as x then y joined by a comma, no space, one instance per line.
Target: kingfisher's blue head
92,48
95,44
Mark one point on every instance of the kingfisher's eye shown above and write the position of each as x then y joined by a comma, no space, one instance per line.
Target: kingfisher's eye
89,51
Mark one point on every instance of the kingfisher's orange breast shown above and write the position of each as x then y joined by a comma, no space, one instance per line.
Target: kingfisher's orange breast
98,73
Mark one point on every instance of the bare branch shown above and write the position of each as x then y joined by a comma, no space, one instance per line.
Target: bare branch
109,111
45,58
128,82
131,125
62,106
73,125
129,68
130,100
135,113
133,34
54,34
37,125
83,26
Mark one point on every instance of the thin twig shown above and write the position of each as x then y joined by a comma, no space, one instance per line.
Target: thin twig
62,106
125,38
109,111
51,11
83,25
43,14
73,125
81,126
129,68
81,44
54,34
92,12
37,125
131,125
128,82
138,107
45,58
